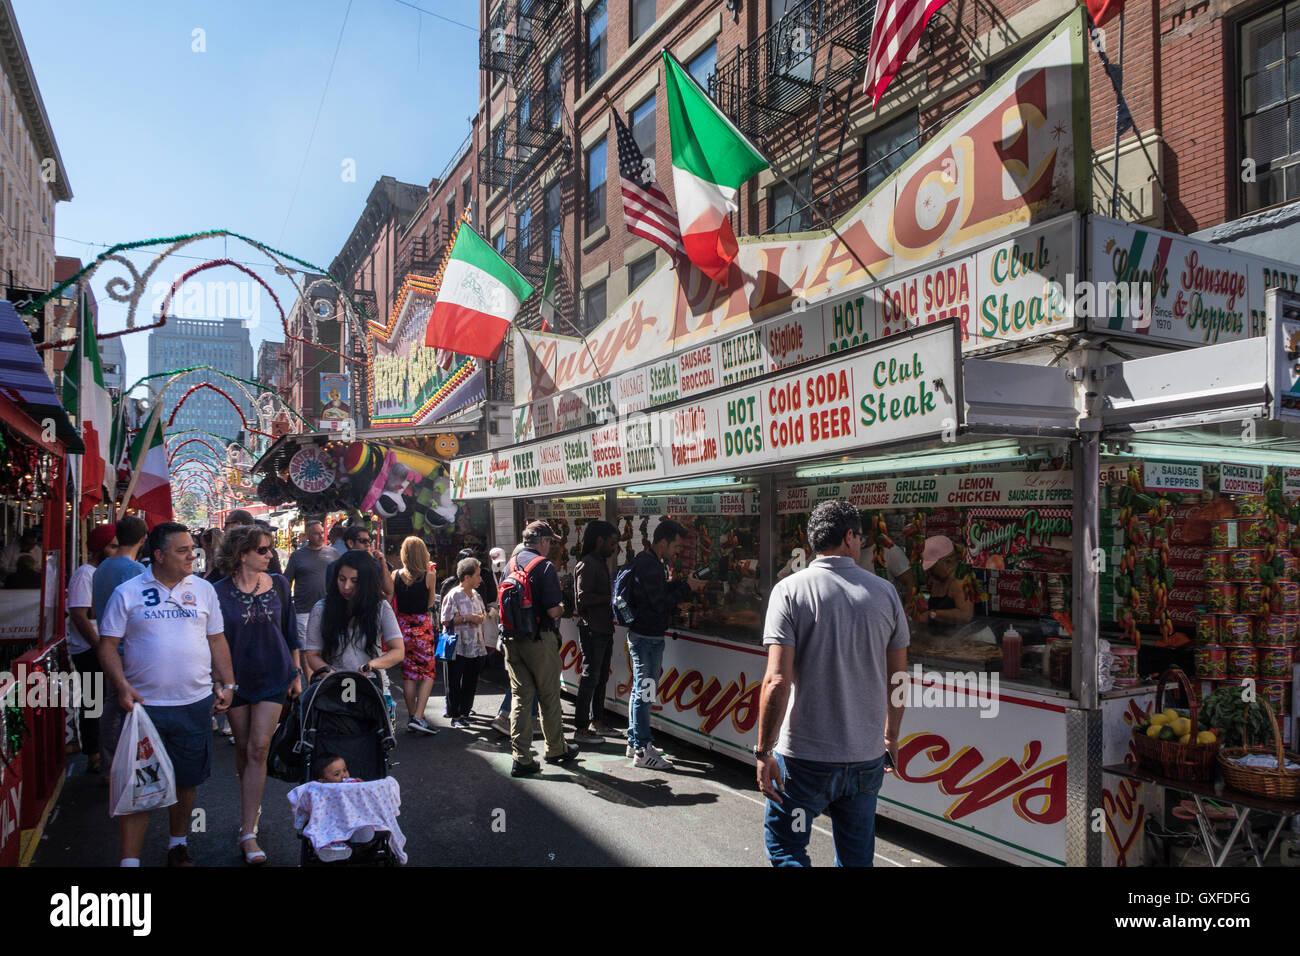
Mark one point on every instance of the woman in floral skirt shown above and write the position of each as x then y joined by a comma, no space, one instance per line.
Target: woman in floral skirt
415,593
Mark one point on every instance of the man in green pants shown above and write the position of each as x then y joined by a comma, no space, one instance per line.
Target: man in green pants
534,663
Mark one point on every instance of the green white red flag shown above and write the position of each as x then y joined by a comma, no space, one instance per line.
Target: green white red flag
151,489
477,301
711,159
86,399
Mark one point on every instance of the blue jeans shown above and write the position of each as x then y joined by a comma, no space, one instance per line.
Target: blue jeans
647,661
845,791
505,705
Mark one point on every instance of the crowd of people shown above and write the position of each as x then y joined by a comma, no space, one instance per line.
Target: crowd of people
243,639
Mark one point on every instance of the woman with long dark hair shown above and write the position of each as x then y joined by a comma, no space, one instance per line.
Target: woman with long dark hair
353,628
263,637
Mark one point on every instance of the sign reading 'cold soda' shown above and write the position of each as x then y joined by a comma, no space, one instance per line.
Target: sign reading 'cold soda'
902,389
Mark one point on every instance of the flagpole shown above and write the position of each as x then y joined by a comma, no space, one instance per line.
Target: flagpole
779,172
1119,104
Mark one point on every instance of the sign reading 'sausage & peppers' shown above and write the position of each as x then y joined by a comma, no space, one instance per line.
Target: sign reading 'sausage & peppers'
907,387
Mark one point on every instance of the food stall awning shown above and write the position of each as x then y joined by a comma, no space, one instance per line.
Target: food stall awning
1227,382
24,382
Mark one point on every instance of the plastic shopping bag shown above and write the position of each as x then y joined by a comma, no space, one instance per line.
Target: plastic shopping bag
142,778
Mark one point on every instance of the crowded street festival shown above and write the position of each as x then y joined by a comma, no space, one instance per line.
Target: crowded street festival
905,473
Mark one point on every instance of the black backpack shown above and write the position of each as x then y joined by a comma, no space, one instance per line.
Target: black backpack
515,599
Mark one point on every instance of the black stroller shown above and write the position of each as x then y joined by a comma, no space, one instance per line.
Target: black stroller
344,714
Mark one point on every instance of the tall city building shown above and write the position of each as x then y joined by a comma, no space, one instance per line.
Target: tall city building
223,344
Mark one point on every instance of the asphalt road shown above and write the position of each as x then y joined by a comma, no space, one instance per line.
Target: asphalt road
461,807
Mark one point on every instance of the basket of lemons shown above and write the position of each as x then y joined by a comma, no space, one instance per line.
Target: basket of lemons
1171,742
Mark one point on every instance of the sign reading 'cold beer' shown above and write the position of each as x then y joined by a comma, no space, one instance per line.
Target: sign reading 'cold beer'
905,388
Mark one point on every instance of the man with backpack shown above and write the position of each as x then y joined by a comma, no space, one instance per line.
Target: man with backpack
531,603
644,600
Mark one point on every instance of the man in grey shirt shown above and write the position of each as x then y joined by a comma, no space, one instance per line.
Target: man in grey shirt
306,572
837,643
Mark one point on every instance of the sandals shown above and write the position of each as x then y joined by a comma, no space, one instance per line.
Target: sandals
251,857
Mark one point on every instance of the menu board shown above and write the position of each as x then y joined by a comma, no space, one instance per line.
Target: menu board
905,388
935,491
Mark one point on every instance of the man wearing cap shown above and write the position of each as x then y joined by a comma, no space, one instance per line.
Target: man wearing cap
534,664
837,639
83,636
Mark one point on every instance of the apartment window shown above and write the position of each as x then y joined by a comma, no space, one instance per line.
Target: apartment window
642,18
786,212
554,88
704,66
499,241
593,307
597,21
639,271
467,192
886,147
525,108
643,128
524,231
451,213
1270,107
498,144
554,220
596,187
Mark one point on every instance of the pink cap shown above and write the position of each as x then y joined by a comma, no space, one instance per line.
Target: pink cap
936,549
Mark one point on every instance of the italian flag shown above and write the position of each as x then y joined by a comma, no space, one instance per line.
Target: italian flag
711,158
151,489
478,299
86,399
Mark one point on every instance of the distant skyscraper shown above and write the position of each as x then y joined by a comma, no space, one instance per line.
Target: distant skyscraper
224,344
112,358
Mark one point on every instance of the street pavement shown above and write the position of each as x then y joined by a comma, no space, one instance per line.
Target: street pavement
461,807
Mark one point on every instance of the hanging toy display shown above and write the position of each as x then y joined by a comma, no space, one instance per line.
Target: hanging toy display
312,469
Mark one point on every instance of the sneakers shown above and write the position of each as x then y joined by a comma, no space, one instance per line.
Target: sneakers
587,737
570,752
460,723
179,855
605,730
418,725
501,724
631,751
648,758
525,769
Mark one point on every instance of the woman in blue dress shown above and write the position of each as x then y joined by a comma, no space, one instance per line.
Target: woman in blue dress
262,632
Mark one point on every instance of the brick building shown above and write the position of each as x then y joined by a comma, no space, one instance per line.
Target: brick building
1207,86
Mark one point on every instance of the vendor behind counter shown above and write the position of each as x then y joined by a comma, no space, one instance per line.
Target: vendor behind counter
948,603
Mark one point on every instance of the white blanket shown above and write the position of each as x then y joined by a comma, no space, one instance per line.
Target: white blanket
328,813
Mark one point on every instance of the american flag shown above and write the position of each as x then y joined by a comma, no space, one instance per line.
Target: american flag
894,36
646,210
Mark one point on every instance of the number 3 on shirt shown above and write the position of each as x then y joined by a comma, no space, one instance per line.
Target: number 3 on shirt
151,598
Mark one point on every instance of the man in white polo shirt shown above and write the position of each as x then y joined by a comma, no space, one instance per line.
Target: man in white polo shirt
169,624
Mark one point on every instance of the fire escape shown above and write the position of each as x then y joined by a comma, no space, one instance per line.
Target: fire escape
795,84
529,154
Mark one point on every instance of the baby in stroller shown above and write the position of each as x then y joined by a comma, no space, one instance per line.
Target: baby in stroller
342,818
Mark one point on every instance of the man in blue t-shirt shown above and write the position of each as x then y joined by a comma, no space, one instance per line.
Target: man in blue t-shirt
122,567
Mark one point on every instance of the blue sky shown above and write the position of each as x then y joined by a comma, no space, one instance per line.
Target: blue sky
160,140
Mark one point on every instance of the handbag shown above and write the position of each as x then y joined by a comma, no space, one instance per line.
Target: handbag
446,650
